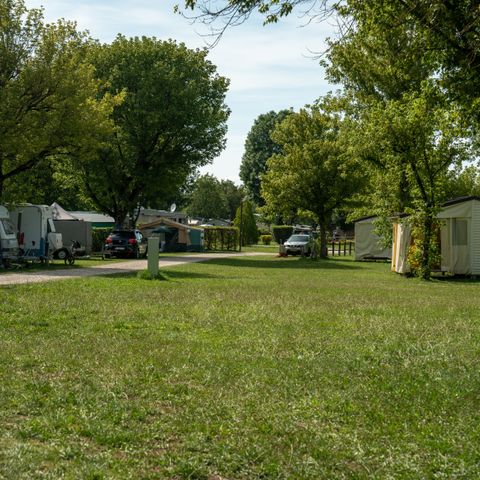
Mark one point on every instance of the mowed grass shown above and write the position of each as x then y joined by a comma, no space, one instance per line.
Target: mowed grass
246,368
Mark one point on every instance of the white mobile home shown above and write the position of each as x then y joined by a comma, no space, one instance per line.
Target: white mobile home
368,245
459,238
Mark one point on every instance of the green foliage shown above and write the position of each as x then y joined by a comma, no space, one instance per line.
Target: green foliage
213,198
48,93
98,238
416,252
314,174
172,121
207,199
266,239
281,233
220,238
463,182
233,196
259,147
246,223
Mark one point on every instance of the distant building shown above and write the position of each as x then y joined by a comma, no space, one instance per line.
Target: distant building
149,215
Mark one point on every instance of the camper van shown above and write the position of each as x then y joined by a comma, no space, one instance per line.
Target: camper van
8,238
37,237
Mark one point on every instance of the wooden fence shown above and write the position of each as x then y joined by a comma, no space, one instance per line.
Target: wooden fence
341,247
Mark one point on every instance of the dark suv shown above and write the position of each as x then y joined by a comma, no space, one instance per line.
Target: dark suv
125,243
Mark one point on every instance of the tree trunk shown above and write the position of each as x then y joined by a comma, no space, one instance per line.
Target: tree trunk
323,239
119,219
426,244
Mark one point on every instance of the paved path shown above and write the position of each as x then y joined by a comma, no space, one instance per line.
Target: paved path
110,268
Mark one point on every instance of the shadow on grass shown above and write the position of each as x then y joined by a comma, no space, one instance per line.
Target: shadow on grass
456,279
166,274
287,264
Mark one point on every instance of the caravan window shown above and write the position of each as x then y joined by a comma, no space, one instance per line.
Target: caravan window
7,226
460,236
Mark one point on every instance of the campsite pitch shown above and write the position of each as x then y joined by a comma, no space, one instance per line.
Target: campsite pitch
241,368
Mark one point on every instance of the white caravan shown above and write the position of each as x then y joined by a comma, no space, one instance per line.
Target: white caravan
37,237
8,238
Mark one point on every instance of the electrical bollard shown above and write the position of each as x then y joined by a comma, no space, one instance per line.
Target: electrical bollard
152,255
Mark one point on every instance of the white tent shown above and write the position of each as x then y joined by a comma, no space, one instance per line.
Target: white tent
368,244
59,213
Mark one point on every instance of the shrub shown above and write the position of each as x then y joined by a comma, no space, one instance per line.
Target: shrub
266,239
98,237
220,238
281,233
248,223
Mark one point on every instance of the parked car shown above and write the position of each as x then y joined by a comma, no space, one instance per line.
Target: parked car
125,243
298,244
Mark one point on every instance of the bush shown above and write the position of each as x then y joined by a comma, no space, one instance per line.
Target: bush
220,238
281,233
266,239
98,238
248,223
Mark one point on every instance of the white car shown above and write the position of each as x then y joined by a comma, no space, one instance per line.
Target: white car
298,244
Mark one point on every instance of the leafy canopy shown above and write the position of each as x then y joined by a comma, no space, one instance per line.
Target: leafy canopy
172,121
313,174
48,102
259,147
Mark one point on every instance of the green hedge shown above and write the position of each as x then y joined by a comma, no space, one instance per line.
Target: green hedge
266,239
221,238
282,232
98,238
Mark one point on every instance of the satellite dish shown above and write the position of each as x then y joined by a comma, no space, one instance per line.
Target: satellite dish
173,207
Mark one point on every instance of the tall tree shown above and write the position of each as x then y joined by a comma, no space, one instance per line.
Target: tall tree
404,123
420,136
207,199
246,223
47,92
259,147
233,195
313,174
172,121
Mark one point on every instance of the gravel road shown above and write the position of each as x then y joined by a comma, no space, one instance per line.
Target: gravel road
110,269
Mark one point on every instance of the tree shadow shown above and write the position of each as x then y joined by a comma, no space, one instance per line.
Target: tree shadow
286,264
456,279
166,274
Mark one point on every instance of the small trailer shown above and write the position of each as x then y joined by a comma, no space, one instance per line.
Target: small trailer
8,238
37,238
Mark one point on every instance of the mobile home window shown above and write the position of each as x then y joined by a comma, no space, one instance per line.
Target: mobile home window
459,232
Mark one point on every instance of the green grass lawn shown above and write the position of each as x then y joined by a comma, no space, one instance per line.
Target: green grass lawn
245,368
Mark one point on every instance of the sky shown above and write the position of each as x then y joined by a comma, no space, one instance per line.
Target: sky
270,67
